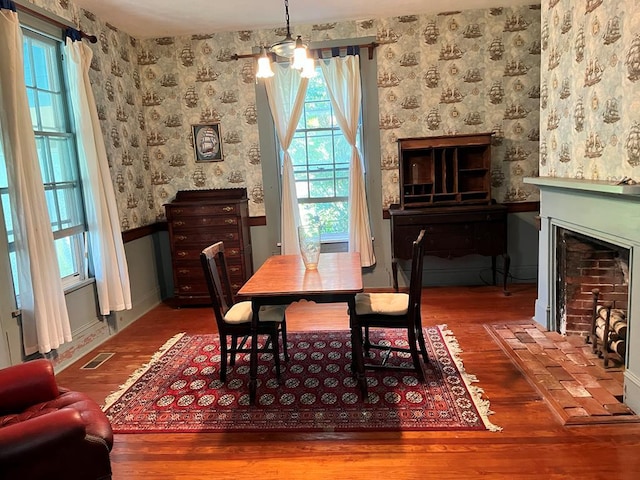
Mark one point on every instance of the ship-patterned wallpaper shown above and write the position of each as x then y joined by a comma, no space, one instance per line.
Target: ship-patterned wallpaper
455,72
463,72
590,93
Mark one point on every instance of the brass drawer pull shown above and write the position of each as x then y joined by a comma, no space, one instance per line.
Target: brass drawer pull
233,251
181,237
178,210
182,254
186,288
228,209
234,269
230,221
184,271
179,223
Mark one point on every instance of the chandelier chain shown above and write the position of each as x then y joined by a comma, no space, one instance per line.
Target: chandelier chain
286,15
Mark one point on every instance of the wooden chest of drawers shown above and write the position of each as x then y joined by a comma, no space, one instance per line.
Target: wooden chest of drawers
197,219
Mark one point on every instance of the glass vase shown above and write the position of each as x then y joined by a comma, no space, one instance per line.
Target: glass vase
309,238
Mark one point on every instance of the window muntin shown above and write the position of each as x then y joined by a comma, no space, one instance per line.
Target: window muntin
320,157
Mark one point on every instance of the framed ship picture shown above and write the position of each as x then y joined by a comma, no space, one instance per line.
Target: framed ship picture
207,142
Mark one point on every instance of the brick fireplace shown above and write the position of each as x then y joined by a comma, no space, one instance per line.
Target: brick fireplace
604,214
584,264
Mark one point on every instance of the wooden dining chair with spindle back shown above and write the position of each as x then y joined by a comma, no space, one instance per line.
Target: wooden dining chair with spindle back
396,310
234,319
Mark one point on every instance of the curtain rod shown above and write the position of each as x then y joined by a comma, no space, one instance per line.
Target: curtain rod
371,46
52,21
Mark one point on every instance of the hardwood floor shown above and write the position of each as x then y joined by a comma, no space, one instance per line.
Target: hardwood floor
532,445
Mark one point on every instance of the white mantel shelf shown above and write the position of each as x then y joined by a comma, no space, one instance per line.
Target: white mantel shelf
599,186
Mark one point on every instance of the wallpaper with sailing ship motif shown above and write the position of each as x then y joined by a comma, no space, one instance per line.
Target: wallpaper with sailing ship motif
463,72
459,72
590,94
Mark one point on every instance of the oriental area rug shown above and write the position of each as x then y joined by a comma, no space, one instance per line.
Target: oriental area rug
180,390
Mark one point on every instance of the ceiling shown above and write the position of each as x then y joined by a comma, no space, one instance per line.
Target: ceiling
162,18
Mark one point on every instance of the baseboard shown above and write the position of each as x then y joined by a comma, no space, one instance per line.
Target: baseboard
632,390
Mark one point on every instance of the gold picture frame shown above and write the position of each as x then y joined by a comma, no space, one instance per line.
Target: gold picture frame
207,142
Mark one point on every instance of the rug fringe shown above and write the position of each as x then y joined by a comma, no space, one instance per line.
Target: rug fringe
113,397
482,404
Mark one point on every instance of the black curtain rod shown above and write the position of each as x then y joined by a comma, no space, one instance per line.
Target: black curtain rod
371,46
63,26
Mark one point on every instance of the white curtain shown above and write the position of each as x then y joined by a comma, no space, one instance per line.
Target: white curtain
286,91
342,76
105,239
45,320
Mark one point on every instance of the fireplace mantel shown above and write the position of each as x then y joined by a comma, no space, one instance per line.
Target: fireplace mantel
596,186
601,210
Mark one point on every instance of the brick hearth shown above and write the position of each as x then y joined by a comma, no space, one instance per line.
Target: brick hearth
570,378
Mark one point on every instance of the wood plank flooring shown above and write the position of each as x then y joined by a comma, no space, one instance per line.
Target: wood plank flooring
533,444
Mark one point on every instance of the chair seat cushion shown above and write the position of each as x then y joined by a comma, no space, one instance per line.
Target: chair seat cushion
382,303
242,313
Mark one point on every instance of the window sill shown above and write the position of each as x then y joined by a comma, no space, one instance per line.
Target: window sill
79,285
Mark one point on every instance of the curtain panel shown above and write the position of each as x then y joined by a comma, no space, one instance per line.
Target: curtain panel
44,316
342,76
106,248
286,91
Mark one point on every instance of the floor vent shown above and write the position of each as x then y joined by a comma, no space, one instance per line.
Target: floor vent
97,361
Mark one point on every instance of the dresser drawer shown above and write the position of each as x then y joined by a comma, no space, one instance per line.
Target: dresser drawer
193,287
190,277
189,252
450,244
205,221
442,241
206,237
450,218
200,210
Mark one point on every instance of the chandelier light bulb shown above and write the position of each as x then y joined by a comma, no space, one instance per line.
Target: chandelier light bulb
299,54
264,68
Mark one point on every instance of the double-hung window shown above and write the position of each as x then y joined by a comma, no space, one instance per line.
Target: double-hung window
320,156
55,143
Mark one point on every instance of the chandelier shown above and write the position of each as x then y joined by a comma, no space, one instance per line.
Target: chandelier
295,50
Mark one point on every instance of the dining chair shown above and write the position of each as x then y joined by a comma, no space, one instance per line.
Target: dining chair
234,319
397,310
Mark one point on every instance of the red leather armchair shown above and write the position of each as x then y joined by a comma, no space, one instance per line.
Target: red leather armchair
47,432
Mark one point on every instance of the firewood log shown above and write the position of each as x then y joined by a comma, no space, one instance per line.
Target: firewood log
619,347
618,321
613,336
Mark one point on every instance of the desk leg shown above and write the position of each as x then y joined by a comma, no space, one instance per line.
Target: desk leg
253,368
493,269
507,266
356,350
394,269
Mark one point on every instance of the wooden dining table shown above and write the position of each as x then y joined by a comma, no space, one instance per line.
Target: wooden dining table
283,279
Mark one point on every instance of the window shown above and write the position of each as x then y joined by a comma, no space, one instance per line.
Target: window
55,143
320,157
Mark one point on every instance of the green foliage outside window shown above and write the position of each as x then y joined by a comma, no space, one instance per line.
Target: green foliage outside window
320,156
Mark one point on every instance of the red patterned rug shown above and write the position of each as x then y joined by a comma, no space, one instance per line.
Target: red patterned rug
180,390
